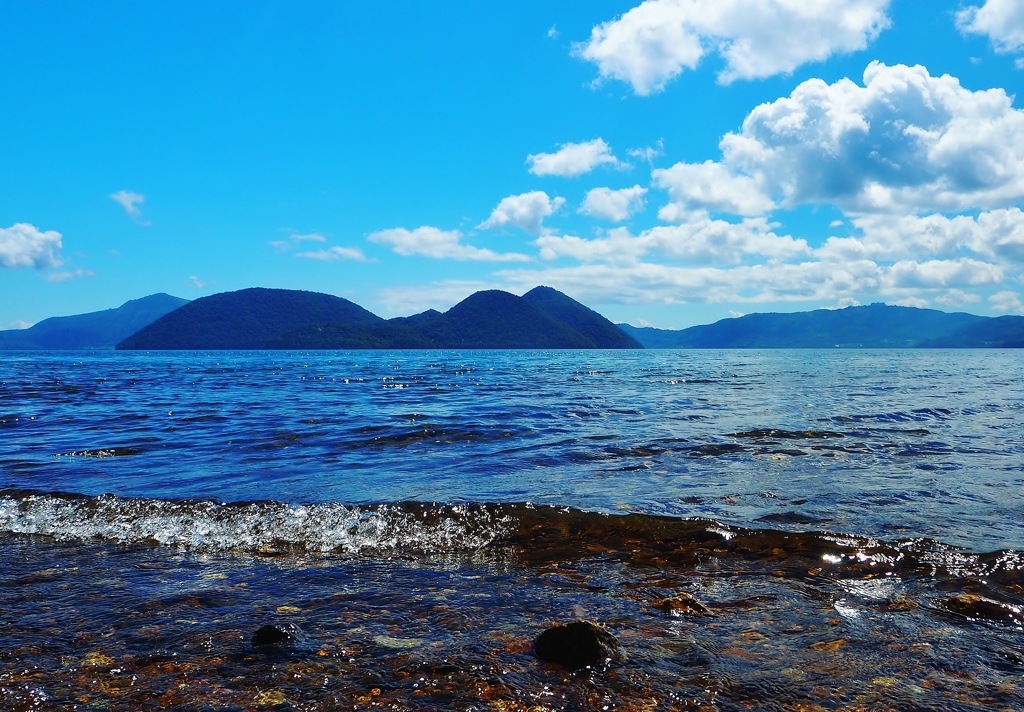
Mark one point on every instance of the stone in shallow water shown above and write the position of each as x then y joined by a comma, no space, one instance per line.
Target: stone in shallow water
576,645
981,608
682,603
268,635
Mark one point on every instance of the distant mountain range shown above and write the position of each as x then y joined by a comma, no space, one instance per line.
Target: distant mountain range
542,318
873,326
284,319
96,330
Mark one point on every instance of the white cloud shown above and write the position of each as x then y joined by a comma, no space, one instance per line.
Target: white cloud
614,205
25,245
440,244
526,211
573,159
735,314
645,282
957,298
962,272
130,201
708,186
916,302
332,254
1007,301
701,240
437,295
196,282
995,234
904,142
648,153
66,275
1001,20
19,324
652,43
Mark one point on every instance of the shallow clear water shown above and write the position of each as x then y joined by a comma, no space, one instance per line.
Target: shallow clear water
849,521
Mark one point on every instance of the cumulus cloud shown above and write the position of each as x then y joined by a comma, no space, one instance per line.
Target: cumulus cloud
332,254
25,245
652,43
905,141
573,159
614,205
1006,301
957,298
429,241
700,240
708,186
1002,21
130,201
767,282
994,234
525,211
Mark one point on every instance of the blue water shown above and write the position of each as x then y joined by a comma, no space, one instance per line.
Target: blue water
902,443
770,530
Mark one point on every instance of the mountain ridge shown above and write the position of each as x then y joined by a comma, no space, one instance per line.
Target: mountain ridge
259,318
93,330
870,326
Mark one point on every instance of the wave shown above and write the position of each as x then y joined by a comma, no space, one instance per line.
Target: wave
534,533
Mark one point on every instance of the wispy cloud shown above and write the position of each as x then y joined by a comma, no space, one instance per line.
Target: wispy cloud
433,242
66,275
130,201
332,254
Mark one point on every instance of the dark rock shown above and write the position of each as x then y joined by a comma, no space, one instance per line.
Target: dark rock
980,608
576,645
682,603
268,635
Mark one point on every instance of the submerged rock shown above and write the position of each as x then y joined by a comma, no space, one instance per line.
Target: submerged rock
980,608
576,645
682,603
284,634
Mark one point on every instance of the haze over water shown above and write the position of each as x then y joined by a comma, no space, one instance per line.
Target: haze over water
819,504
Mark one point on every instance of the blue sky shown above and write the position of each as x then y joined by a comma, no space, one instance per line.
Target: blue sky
668,163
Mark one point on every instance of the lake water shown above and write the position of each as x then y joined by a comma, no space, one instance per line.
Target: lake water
777,530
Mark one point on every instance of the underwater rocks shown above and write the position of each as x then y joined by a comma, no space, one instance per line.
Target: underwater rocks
281,635
576,645
977,607
682,603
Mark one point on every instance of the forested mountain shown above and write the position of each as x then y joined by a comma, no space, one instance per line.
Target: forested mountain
873,326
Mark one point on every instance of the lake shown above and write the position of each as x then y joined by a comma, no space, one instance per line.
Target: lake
760,529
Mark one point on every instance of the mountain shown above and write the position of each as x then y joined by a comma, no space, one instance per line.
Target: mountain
490,319
95,330
246,319
1003,332
873,326
585,320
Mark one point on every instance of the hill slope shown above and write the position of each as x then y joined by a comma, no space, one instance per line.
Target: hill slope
95,330
246,319
603,333
873,326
